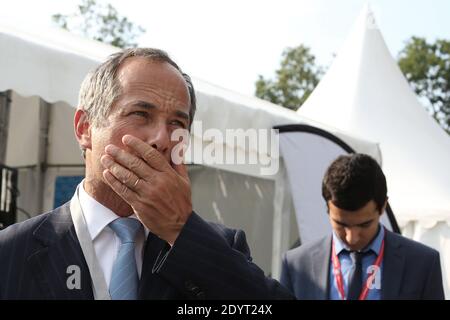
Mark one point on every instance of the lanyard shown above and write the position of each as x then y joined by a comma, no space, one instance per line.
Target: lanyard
99,286
339,278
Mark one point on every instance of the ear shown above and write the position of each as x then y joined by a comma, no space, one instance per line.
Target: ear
384,206
82,129
328,206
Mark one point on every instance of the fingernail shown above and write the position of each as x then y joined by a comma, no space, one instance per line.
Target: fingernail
126,139
106,161
111,149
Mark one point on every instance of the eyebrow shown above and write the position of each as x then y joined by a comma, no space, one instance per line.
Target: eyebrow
143,104
359,224
182,114
149,106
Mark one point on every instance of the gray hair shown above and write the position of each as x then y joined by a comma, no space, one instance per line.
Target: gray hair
100,88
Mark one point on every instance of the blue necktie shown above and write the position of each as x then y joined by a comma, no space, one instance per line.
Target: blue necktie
355,278
124,278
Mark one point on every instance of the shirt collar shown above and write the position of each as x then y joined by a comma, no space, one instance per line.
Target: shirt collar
97,216
375,245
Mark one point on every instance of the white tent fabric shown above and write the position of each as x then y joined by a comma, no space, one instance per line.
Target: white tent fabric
55,61
365,93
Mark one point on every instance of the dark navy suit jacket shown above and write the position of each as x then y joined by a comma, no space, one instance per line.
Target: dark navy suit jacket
207,261
410,270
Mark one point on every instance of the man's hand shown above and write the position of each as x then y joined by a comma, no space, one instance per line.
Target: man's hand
159,194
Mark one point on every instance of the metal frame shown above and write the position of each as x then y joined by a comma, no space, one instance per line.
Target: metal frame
8,195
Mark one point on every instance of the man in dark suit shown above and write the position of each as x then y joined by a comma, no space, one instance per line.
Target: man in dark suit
129,231
360,259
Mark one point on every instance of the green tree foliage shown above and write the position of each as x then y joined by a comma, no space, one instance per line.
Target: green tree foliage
102,23
427,68
294,81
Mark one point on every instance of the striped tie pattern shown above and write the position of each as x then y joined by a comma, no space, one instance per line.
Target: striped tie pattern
124,277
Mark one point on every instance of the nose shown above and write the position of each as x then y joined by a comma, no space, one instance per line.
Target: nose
352,236
159,138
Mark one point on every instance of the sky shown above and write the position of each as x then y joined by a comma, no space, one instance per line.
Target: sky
230,42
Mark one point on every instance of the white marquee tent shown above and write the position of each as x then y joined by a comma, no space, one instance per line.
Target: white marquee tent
43,69
365,93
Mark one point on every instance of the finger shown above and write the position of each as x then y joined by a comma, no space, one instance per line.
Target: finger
122,190
153,157
125,176
131,162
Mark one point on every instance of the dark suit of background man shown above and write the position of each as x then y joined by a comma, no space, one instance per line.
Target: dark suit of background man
129,231
339,265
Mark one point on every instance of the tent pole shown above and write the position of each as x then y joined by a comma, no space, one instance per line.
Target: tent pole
44,125
281,221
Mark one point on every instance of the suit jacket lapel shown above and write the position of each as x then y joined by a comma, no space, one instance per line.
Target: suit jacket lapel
58,265
393,265
321,269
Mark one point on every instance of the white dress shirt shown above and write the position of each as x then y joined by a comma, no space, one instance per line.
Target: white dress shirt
105,241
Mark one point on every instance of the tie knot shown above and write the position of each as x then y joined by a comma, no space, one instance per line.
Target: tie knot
126,228
356,257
